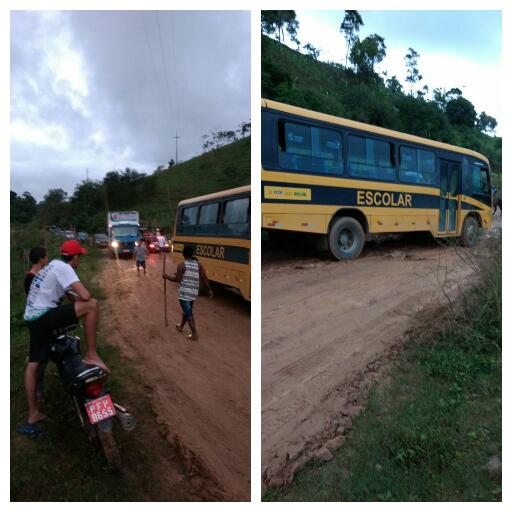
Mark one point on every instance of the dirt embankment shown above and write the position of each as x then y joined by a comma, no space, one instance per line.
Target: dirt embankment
328,329
199,390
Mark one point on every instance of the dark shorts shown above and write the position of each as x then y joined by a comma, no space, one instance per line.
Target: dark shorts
41,330
186,306
140,264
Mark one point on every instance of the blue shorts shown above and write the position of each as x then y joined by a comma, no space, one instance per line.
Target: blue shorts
141,263
186,306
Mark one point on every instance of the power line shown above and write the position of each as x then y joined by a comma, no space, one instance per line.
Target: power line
164,59
154,66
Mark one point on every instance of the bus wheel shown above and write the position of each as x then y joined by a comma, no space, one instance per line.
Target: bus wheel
470,232
346,239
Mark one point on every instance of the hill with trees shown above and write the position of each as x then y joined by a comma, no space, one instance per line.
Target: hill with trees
354,90
225,164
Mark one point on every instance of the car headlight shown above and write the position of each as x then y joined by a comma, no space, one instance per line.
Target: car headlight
115,244
136,244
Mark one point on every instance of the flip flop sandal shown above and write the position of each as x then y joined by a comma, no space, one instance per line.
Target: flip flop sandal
31,430
179,328
192,337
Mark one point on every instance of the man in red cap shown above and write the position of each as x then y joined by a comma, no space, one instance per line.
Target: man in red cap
44,314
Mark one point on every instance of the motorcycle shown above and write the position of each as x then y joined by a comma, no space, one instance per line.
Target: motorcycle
86,385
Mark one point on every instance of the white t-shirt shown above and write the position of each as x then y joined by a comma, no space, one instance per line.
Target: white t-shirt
48,287
161,240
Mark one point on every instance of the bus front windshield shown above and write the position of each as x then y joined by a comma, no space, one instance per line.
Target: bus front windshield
126,231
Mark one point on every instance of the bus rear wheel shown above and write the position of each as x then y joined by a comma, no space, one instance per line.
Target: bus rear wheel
470,232
346,238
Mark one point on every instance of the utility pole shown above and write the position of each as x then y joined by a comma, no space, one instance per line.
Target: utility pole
176,138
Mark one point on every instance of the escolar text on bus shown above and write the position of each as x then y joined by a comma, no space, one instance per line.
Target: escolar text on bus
210,251
370,198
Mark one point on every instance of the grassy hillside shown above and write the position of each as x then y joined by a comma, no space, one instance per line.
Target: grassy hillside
297,79
220,169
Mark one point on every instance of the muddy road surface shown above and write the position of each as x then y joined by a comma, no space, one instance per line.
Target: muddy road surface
329,328
200,390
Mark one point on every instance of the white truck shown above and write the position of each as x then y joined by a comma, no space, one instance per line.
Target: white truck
123,232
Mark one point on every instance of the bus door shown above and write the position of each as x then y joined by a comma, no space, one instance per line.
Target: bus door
449,195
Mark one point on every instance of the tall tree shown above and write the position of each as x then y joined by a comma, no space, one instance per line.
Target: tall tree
394,85
350,27
461,112
23,208
54,207
275,22
485,123
244,128
366,53
311,51
413,74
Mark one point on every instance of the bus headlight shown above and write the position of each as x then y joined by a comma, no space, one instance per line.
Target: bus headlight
115,245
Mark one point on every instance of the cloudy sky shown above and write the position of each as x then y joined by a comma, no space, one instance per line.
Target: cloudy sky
94,91
457,48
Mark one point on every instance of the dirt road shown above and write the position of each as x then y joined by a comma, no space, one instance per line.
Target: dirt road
327,329
200,389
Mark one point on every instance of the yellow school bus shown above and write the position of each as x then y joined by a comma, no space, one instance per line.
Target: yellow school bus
344,179
218,228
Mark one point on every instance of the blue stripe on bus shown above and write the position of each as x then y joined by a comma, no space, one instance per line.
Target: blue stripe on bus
343,196
217,251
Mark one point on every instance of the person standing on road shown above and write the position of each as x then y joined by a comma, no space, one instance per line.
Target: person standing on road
139,254
161,241
189,275
43,314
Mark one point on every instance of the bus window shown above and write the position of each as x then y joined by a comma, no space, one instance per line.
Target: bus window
417,166
370,158
480,180
466,177
309,149
236,217
207,223
188,220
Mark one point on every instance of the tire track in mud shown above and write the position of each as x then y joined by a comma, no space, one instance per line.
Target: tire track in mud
200,391
329,330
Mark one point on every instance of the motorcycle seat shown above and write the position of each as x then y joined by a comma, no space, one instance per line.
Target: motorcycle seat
76,371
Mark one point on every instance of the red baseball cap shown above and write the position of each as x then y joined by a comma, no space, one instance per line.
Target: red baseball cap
72,247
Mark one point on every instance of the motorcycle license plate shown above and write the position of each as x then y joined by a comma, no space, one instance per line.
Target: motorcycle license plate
100,409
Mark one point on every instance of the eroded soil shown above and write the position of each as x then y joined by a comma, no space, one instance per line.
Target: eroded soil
328,330
199,390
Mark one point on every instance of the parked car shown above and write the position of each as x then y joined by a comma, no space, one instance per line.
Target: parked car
70,235
82,236
100,240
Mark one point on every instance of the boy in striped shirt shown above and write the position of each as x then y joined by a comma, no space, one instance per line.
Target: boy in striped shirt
189,274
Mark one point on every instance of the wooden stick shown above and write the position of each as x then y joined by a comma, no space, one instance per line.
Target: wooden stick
165,295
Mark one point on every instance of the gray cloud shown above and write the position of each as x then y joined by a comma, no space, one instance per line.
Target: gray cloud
101,90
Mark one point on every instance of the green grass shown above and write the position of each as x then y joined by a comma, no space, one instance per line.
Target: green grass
429,429
64,466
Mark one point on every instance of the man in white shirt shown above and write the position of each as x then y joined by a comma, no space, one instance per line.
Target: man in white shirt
43,314
161,241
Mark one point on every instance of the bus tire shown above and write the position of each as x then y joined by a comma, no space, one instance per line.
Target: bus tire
346,239
470,232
